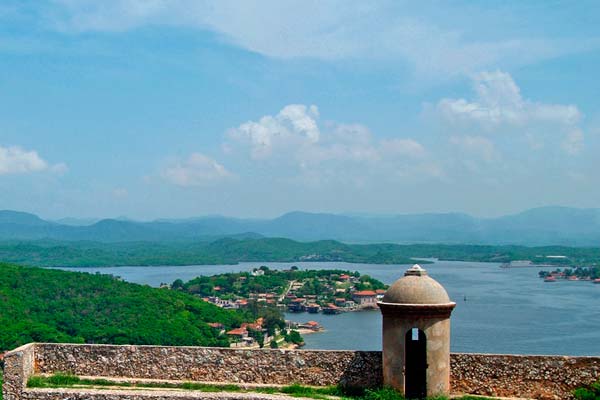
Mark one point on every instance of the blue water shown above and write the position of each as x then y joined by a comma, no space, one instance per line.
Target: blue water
507,310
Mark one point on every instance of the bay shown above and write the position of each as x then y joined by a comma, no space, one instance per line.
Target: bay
507,311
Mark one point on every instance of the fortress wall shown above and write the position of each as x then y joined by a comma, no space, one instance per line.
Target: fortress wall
351,368
536,377
18,367
539,377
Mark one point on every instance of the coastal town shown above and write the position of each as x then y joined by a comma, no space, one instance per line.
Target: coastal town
588,274
291,290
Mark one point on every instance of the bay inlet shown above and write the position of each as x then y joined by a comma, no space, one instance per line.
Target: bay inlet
509,311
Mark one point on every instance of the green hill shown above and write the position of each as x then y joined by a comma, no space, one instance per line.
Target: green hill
48,253
57,306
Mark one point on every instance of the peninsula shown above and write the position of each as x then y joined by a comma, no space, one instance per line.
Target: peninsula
294,290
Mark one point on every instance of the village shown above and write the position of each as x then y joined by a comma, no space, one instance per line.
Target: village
294,290
291,290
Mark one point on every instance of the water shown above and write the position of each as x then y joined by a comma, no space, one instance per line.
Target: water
507,310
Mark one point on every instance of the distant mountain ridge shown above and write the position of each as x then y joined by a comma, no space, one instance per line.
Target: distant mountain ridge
534,227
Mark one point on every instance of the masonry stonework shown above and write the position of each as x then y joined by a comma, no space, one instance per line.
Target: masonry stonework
416,335
209,364
537,377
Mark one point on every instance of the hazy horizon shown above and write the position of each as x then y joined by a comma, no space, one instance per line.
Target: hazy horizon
93,219
156,109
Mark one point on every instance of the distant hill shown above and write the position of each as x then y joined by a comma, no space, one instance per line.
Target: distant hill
228,250
535,227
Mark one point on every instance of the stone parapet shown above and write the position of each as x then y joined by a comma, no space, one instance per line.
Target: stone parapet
209,364
19,365
537,377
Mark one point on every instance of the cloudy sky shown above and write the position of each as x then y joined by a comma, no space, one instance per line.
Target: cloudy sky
178,108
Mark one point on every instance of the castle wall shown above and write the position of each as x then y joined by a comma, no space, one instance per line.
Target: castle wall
536,377
18,367
352,368
539,377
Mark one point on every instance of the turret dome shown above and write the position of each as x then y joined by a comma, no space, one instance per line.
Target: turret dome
416,287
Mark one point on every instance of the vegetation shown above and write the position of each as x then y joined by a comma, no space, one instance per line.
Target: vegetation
50,253
591,392
60,380
41,305
47,253
264,280
579,272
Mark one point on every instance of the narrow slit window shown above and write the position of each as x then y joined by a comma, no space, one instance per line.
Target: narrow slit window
415,334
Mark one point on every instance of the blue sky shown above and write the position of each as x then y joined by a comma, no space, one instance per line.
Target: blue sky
152,108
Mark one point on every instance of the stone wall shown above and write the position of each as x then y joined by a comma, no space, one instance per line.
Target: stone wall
352,368
538,377
19,365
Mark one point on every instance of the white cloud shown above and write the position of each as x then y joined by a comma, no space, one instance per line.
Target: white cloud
329,30
15,160
196,170
499,107
294,125
294,142
499,101
479,146
402,147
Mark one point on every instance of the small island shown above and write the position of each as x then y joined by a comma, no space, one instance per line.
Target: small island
572,274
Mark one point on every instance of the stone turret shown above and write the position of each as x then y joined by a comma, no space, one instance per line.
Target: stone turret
416,335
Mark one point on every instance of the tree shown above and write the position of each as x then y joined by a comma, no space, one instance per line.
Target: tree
294,337
177,284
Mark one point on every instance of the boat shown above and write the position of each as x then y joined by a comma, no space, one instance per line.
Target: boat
597,280
550,279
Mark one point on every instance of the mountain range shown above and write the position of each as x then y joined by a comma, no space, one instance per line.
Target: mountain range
534,227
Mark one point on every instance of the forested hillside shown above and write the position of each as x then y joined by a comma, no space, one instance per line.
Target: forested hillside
56,306
48,253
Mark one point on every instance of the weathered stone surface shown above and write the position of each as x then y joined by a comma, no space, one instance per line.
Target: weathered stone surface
417,301
352,368
18,367
536,377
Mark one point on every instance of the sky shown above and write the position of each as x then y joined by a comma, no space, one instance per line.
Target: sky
171,109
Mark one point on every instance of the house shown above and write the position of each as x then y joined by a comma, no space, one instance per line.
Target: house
241,303
340,301
313,308
365,298
238,333
331,309
297,305
312,325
